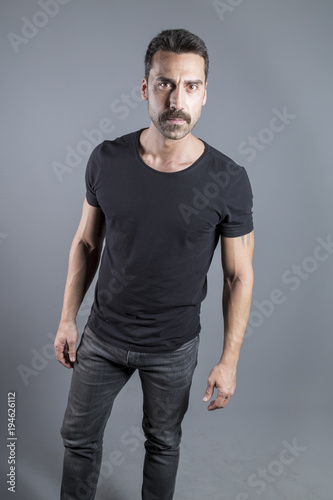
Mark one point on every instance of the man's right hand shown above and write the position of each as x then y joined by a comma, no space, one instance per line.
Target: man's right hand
65,343
83,262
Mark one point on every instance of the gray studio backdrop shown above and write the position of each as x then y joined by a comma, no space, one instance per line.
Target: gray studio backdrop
71,72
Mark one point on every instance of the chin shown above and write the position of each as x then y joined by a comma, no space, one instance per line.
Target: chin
175,132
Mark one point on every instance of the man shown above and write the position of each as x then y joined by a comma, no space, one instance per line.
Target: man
162,198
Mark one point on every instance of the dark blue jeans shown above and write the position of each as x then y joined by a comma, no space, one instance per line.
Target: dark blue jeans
99,373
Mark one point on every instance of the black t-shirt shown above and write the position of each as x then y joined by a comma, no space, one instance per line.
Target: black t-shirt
161,232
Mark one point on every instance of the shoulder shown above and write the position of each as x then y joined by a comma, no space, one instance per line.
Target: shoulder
222,160
109,147
225,170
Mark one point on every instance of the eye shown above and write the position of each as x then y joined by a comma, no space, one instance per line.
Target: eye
192,86
164,85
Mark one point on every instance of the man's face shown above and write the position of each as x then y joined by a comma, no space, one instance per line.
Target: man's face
176,92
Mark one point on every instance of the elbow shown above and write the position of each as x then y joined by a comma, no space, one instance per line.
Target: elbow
244,278
88,246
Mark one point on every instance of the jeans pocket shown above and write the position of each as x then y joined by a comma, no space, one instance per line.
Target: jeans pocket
189,344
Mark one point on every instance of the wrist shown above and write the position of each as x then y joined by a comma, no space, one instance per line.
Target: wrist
67,321
229,358
231,350
229,362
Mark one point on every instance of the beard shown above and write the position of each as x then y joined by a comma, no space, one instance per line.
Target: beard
174,131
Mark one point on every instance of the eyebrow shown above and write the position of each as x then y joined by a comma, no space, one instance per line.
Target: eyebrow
187,82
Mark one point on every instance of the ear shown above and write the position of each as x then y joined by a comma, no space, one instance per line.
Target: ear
144,89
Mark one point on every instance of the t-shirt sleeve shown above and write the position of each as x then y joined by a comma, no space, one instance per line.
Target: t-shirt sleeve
238,219
90,178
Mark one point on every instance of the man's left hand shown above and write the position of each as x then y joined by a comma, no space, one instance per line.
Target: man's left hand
223,377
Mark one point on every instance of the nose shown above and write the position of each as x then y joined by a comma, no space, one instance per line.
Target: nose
177,98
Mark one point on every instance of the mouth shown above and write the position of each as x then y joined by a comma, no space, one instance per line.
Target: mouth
176,120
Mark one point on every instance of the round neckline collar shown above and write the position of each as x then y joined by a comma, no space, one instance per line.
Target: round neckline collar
184,170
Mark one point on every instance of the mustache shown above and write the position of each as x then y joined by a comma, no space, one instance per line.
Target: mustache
167,115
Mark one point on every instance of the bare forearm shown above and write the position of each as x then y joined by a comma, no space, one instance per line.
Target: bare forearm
237,295
237,256
82,265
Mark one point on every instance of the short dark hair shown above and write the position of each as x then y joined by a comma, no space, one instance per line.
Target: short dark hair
179,41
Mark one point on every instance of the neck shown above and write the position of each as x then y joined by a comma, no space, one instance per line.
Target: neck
153,143
168,155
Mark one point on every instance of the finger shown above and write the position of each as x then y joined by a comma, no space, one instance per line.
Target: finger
219,402
214,406
61,357
72,350
211,406
69,363
209,391
222,400
61,350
